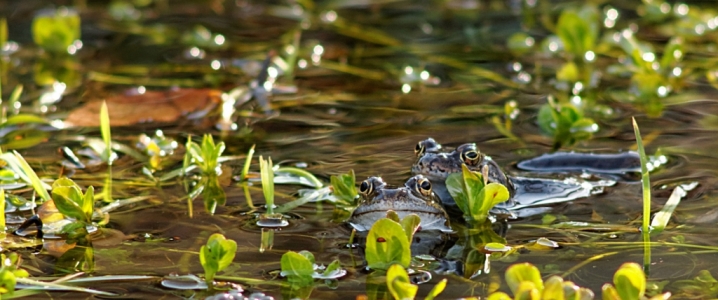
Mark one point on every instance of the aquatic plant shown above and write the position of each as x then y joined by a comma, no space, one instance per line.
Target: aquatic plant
645,179
388,241
473,195
525,282
565,123
56,30
300,268
216,255
401,288
10,272
344,188
204,156
71,202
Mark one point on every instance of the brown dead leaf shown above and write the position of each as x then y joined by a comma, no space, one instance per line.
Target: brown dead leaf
152,106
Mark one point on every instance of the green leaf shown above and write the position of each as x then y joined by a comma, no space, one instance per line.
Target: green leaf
216,255
331,268
568,72
455,186
520,43
630,281
267,174
105,132
308,255
410,224
296,265
553,288
491,195
3,33
523,272
55,30
609,292
88,201
213,194
344,187
578,30
548,119
400,287
392,215
436,290
69,199
386,245
499,296
2,210
527,291
24,119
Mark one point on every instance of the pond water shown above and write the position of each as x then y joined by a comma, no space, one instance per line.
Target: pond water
372,78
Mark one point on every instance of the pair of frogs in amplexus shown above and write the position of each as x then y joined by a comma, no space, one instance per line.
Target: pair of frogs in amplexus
425,194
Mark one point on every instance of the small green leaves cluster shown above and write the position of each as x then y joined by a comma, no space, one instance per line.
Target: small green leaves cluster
344,188
71,202
629,282
473,196
565,123
206,155
401,288
525,282
9,272
216,255
300,268
56,30
389,241
267,174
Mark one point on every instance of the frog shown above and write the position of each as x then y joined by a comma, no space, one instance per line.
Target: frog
415,197
436,165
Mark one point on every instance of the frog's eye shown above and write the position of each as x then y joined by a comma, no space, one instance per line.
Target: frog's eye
419,149
366,187
471,157
424,186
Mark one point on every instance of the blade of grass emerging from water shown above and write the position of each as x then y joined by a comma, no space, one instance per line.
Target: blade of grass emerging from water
267,174
646,181
2,211
247,162
105,130
20,167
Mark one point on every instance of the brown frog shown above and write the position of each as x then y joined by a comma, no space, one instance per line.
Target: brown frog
415,197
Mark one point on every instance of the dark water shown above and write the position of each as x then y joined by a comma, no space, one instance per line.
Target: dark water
360,119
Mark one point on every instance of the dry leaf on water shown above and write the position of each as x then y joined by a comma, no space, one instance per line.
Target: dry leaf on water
152,106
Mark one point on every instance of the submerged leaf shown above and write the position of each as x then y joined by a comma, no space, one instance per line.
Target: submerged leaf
297,266
150,106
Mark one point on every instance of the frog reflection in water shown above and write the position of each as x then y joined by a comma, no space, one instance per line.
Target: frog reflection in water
525,192
415,197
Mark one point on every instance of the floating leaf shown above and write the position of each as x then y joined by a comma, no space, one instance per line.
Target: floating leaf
386,245
151,106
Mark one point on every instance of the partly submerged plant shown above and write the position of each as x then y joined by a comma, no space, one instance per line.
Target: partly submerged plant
71,202
216,255
565,123
524,281
388,243
10,272
300,268
473,196
205,156
401,288
629,282
344,188
56,30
